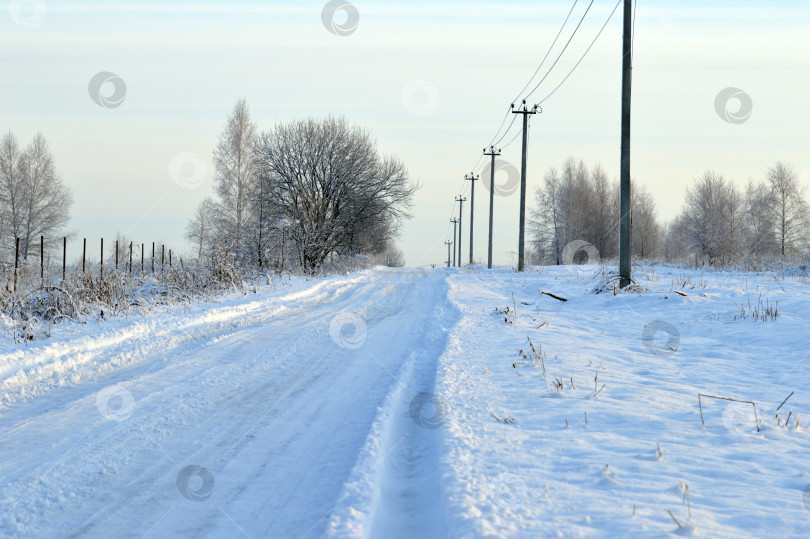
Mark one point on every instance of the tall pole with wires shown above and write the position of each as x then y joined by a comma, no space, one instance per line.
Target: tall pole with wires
625,193
472,178
448,243
455,224
522,234
461,201
492,153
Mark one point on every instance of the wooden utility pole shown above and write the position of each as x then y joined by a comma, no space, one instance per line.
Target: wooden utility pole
472,178
624,187
522,235
455,225
64,256
461,201
101,264
448,243
492,153
84,252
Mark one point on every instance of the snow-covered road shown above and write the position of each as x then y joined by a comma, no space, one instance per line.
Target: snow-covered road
273,398
408,403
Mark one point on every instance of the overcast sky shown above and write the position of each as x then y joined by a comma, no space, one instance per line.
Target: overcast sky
430,80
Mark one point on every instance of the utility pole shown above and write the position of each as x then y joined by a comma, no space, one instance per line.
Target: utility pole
472,178
448,243
624,182
455,223
461,202
522,236
491,153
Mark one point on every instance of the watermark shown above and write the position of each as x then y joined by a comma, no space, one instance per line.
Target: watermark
340,17
115,403
501,188
510,490
580,252
722,104
188,170
348,330
651,337
428,411
195,483
107,90
739,418
420,97
27,13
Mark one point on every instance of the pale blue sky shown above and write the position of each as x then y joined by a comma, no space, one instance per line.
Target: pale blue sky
185,64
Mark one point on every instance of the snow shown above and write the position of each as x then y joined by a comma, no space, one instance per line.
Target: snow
409,403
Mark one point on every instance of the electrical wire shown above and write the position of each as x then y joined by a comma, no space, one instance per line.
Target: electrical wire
562,51
543,61
583,54
536,71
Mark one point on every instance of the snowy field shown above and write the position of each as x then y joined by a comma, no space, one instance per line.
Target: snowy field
421,403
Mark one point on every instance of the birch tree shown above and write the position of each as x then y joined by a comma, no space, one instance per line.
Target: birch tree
787,206
235,176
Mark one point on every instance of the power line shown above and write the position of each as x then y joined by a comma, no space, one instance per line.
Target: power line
584,54
543,61
562,51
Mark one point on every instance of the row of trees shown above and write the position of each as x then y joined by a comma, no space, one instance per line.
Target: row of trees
34,201
575,203
302,191
719,223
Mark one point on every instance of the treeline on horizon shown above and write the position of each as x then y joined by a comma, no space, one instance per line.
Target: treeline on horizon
720,223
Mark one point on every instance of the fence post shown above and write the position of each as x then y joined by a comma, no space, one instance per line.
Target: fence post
101,265
42,261
84,253
16,262
162,256
170,258
64,256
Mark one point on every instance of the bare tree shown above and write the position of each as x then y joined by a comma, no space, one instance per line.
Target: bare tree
201,231
11,184
646,231
761,240
393,257
787,205
235,164
327,178
34,201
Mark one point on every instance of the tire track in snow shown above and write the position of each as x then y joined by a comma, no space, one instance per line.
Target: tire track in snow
276,411
395,487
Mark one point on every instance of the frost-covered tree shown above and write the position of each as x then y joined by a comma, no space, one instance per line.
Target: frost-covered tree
201,231
327,179
235,177
33,199
788,208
